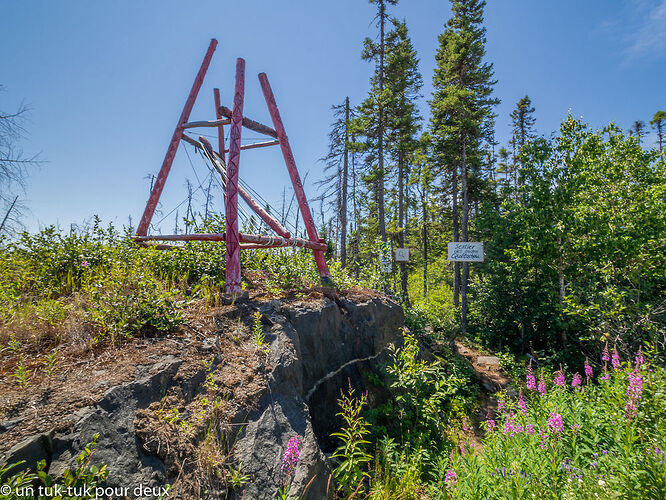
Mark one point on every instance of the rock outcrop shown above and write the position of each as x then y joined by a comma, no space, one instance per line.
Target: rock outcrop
315,349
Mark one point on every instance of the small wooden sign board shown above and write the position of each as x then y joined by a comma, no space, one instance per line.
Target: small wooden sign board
402,254
466,252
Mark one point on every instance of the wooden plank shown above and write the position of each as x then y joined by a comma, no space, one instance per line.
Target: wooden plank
250,124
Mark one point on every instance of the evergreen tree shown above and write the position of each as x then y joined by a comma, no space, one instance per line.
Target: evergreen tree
657,123
522,121
638,129
376,51
462,105
403,83
335,184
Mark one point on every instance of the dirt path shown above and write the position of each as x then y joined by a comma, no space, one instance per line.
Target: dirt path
492,379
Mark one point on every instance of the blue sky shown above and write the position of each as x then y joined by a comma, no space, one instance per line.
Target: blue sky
106,81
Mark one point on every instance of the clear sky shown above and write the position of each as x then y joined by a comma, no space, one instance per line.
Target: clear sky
106,81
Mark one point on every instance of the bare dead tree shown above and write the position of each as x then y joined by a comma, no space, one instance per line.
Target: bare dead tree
14,167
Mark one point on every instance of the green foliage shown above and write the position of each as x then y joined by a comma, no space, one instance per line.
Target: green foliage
580,442
77,484
257,329
579,256
350,472
427,396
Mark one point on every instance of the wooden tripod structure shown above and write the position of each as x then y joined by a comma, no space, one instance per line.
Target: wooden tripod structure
235,241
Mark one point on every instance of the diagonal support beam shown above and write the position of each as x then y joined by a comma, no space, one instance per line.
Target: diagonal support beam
265,216
175,141
295,178
233,276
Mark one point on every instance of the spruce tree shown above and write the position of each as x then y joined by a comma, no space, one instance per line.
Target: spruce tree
403,83
376,51
657,123
461,106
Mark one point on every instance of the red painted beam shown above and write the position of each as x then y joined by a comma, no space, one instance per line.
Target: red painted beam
295,178
250,124
265,216
258,145
182,237
175,141
277,241
233,275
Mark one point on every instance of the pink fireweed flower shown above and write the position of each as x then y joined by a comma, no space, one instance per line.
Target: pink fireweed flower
451,476
555,423
510,426
291,456
521,403
500,405
640,359
604,354
84,263
559,379
529,429
588,370
615,359
490,423
634,391
542,435
530,380
542,385
576,381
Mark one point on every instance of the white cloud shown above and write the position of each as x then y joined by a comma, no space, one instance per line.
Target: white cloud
648,38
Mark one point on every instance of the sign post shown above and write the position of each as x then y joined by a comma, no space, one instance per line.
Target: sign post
465,251
469,251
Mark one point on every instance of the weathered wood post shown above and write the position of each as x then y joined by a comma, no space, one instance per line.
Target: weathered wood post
233,276
156,192
295,178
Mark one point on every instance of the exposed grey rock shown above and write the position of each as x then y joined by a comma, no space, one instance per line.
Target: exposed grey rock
488,360
314,352
31,451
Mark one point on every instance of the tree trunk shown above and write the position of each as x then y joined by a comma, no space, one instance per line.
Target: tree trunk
456,236
380,127
401,224
465,223
424,210
343,207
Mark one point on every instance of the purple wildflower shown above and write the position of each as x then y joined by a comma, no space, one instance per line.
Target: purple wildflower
634,391
542,385
500,405
576,381
521,403
555,423
615,359
84,263
588,370
529,429
559,379
604,354
451,476
531,382
490,422
640,359
508,425
291,456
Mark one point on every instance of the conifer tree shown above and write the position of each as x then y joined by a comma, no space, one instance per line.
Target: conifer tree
657,123
376,51
461,106
403,83
638,130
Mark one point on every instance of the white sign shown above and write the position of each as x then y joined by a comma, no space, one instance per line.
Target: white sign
402,254
466,252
